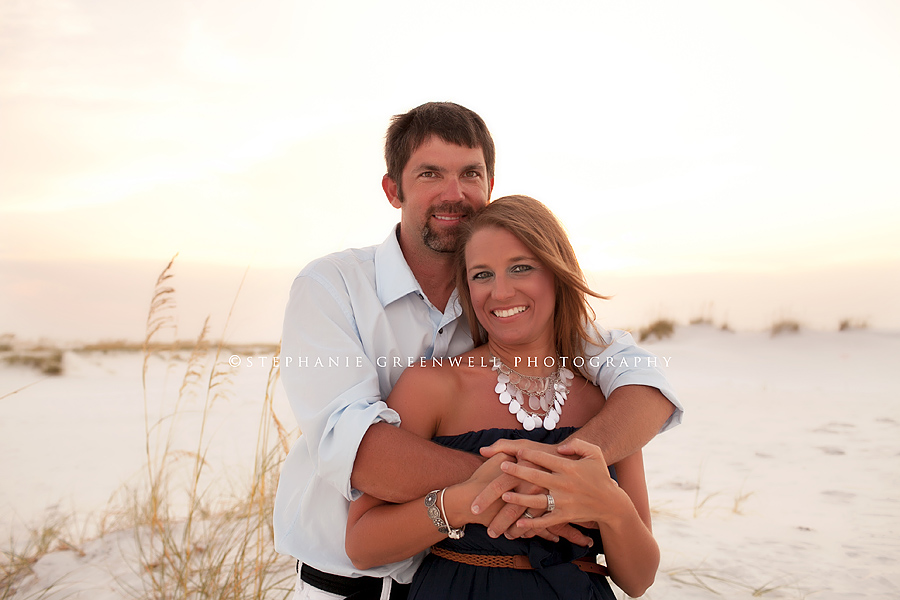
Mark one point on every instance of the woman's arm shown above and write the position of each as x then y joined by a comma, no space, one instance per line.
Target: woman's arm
583,491
379,533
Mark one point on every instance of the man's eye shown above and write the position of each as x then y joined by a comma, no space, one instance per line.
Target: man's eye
473,174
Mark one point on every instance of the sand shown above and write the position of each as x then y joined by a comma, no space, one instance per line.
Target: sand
782,482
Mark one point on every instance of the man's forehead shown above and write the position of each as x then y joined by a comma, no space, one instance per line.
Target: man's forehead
436,146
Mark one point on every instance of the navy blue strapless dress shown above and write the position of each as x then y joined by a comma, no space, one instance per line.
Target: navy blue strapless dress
555,577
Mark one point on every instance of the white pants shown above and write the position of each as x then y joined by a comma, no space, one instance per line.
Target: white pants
304,591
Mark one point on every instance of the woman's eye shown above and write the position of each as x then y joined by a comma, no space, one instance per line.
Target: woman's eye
520,268
481,275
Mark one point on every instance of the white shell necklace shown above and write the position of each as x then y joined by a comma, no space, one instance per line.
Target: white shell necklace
545,395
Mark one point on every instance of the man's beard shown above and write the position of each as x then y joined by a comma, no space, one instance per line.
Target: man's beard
445,241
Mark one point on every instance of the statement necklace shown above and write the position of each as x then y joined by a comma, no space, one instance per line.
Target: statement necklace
544,396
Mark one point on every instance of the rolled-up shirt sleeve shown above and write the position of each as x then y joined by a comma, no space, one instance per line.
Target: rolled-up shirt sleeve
617,361
331,383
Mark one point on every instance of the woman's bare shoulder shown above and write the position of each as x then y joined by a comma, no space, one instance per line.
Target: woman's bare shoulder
438,378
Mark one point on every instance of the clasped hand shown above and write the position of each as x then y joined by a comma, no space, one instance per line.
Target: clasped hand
496,504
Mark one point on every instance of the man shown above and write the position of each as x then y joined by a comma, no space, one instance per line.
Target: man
356,319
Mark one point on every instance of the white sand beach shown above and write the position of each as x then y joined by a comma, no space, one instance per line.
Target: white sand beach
782,482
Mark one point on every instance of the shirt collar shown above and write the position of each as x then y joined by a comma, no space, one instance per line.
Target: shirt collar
393,277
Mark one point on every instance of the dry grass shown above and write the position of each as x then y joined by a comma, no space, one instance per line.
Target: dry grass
56,533
192,543
155,347
48,361
785,326
216,548
661,329
712,581
852,324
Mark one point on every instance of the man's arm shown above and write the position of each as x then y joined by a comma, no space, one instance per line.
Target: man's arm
417,466
397,466
334,404
351,434
640,403
631,417
617,362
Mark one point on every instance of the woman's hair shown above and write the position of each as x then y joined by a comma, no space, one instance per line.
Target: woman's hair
542,233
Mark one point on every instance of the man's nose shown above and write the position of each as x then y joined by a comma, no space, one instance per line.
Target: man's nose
452,189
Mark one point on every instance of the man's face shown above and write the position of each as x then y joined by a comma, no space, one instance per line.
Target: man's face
442,185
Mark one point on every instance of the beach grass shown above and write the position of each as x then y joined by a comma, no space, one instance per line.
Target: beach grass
784,326
852,324
191,543
18,558
661,329
191,540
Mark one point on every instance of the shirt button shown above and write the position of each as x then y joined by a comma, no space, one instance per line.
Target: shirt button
441,330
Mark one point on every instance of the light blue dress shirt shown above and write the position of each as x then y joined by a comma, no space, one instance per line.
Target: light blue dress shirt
354,321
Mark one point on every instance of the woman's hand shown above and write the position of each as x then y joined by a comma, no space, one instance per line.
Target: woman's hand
459,497
582,489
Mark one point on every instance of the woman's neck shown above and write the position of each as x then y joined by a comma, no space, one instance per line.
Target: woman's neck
539,360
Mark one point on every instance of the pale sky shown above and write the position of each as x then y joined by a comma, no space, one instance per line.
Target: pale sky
670,137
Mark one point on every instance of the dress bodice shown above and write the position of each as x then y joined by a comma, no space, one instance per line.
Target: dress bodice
554,576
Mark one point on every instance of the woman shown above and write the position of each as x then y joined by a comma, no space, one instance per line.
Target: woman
525,297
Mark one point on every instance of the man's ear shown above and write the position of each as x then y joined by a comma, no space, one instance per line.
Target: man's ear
490,188
391,190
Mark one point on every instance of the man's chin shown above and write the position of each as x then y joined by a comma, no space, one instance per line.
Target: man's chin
444,244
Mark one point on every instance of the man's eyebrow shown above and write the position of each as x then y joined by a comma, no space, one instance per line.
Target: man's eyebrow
430,167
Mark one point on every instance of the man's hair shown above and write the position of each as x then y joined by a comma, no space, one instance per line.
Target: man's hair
450,122
542,233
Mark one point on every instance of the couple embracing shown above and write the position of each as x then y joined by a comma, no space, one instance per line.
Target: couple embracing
502,480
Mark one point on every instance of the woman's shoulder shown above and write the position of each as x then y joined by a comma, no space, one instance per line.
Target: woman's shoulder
441,377
447,367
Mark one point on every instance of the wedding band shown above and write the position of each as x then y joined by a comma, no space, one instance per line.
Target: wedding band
528,515
551,504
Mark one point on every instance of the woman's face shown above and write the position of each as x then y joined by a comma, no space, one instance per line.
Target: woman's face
512,292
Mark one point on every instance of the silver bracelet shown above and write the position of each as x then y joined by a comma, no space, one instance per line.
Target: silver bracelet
454,534
434,512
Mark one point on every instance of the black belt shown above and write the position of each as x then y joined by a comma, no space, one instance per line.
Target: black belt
352,588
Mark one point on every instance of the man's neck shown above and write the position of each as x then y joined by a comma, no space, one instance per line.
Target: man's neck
433,270
436,276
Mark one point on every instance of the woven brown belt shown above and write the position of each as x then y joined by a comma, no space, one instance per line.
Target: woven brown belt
519,561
